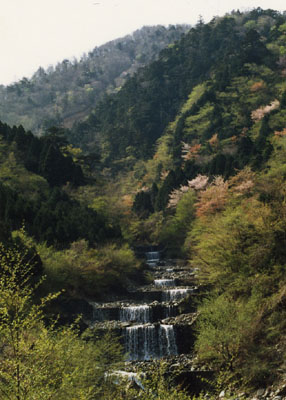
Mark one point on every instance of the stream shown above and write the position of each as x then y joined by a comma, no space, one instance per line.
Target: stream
145,320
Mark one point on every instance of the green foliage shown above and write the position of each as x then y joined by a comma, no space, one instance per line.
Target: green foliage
239,251
174,179
158,386
212,104
237,336
145,232
139,113
88,272
42,155
39,361
17,177
53,218
226,328
142,205
238,241
173,232
48,212
199,124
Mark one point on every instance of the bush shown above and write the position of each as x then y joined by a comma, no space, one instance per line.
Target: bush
39,361
89,272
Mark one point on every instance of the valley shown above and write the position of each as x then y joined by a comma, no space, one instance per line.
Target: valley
143,218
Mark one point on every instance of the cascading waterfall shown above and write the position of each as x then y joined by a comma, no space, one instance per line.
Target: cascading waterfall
175,294
168,346
164,282
152,258
141,343
100,313
147,328
147,342
170,311
135,313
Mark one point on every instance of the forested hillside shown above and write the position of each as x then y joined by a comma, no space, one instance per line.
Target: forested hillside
67,92
201,132
214,188
189,156
129,122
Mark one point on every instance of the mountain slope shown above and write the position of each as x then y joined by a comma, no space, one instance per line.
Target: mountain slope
128,124
70,90
197,145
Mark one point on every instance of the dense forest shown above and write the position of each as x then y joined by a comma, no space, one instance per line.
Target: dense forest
188,155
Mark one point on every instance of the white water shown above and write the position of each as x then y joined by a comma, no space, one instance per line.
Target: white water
152,258
147,342
168,344
145,339
118,376
176,294
164,282
135,313
170,311
141,343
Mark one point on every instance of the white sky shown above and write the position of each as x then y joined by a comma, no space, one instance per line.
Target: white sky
37,33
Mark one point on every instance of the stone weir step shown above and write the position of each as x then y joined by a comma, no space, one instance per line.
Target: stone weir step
151,293
175,269
149,322
173,280
125,312
146,341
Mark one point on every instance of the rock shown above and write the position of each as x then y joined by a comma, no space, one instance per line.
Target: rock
260,392
266,392
125,324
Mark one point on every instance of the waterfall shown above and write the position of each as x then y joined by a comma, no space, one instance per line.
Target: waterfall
170,311
135,313
141,342
147,325
147,342
175,294
167,341
164,282
98,315
153,255
152,258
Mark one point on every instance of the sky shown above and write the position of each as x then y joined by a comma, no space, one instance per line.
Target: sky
36,33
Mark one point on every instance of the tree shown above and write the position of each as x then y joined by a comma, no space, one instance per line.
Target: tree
230,339
253,49
142,205
38,361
